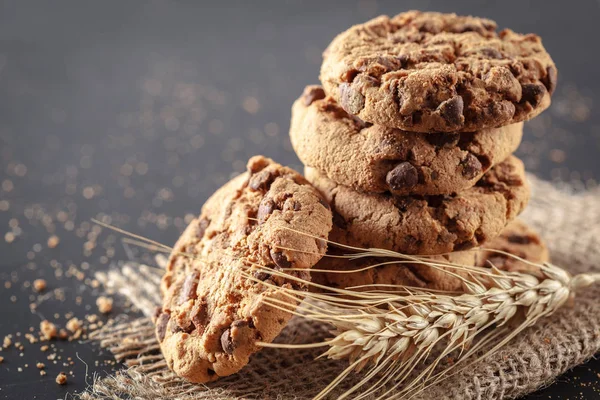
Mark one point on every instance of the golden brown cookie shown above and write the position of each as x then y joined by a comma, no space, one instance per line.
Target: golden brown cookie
433,72
517,239
339,272
426,225
212,316
373,158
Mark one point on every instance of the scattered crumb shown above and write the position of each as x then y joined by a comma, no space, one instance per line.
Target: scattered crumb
53,241
32,339
61,378
63,334
48,329
42,372
1,359
104,304
44,347
39,285
40,365
7,342
73,325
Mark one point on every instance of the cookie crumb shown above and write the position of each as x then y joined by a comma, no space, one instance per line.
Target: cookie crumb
44,347
39,285
1,359
104,304
42,372
40,365
48,329
63,334
61,378
7,342
53,241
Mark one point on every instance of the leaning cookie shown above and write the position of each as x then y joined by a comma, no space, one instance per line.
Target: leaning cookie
433,72
426,225
212,315
519,240
375,159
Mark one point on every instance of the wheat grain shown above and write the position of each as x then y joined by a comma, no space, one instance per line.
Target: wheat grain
416,322
396,339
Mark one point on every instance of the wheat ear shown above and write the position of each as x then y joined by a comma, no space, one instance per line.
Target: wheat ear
395,340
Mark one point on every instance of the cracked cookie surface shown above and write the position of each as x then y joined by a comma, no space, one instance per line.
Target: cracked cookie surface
426,225
375,159
212,315
434,72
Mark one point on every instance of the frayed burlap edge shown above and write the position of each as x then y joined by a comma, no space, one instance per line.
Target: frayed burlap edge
570,223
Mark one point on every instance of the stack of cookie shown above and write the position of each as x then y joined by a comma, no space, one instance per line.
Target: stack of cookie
411,137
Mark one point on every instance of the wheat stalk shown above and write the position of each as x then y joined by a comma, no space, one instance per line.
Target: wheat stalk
398,329
396,339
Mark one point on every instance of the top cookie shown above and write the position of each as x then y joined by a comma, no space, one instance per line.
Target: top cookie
433,72
212,316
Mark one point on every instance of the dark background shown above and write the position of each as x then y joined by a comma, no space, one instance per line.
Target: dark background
137,111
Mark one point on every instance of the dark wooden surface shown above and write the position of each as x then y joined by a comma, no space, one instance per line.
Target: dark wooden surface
140,110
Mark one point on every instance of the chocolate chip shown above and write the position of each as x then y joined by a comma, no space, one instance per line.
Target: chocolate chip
210,372
440,140
297,206
161,326
551,79
262,180
280,259
403,176
351,99
519,239
471,167
339,221
240,323
266,207
402,203
227,342
188,289
533,93
452,111
312,93
199,314
261,275
491,53
404,60
435,201
189,327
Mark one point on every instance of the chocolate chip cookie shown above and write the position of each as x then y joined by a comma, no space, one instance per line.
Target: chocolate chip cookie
213,314
338,272
433,72
517,239
426,225
373,158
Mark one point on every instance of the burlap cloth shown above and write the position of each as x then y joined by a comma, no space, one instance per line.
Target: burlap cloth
569,222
